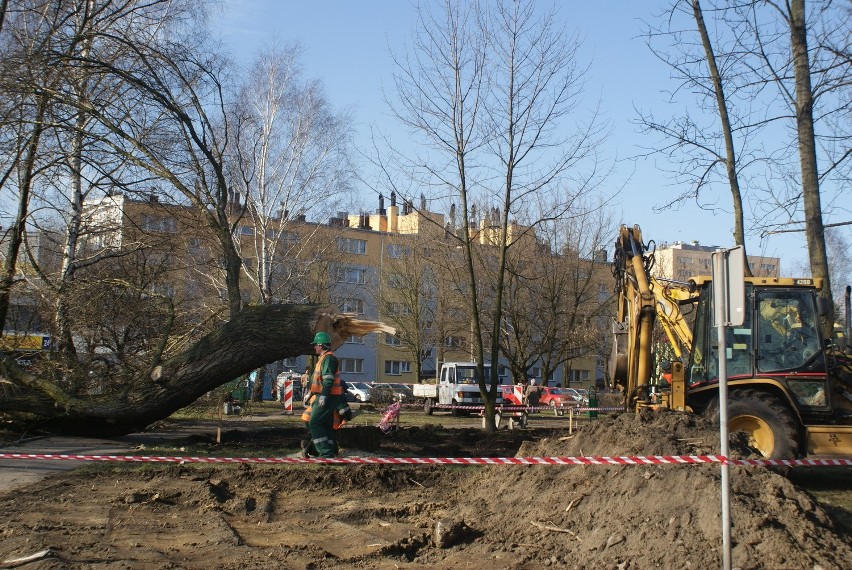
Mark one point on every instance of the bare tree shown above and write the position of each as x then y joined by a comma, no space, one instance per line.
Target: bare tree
135,84
772,83
812,86
291,158
714,76
486,87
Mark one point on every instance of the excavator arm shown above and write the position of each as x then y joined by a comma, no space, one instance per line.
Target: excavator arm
637,310
644,301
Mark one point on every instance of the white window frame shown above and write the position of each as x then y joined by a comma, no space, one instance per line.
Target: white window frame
351,365
351,275
454,341
397,367
392,340
352,305
352,245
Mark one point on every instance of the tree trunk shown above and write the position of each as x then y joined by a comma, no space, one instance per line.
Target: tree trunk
727,133
814,228
256,336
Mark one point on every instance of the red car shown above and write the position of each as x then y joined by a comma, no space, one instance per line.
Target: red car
558,397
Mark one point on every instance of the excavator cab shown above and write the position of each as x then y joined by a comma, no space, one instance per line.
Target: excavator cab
780,334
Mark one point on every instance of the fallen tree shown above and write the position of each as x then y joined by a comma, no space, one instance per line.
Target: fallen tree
258,335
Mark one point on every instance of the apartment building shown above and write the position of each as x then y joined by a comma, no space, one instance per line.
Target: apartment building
397,264
680,261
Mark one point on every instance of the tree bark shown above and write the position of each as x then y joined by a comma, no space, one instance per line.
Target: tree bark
257,335
727,133
814,229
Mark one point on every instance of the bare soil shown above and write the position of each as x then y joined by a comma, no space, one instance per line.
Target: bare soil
386,517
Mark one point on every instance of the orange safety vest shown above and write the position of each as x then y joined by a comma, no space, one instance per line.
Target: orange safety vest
316,385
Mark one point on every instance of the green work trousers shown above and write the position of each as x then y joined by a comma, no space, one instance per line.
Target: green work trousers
322,426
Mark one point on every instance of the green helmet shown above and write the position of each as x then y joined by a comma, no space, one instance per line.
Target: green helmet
322,338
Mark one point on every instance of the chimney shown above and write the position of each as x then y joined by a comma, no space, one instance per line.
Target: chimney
393,215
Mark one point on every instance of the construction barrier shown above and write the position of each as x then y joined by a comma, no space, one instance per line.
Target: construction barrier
595,460
287,396
502,408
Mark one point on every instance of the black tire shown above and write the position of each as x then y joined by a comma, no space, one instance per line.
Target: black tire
769,424
456,413
427,407
358,398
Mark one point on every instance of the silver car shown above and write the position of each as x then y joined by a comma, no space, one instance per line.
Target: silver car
359,391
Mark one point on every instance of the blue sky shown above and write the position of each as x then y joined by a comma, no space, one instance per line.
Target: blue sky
346,45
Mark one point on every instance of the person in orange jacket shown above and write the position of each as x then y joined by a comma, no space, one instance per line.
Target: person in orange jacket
326,397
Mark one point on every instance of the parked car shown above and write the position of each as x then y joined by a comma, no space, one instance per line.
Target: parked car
359,391
581,395
382,393
559,397
403,393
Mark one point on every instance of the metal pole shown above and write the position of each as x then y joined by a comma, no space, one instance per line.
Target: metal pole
721,311
723,435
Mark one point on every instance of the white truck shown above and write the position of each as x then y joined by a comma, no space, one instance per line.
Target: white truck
458,385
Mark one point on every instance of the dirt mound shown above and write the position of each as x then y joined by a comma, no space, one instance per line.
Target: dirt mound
375,516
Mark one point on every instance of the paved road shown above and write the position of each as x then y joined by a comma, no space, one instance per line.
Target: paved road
15,473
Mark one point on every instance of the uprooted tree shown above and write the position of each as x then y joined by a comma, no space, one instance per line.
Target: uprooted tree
257,335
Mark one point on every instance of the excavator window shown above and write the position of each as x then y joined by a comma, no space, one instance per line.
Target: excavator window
787,336
738,347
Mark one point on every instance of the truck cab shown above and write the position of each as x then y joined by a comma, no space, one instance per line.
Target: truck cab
458,385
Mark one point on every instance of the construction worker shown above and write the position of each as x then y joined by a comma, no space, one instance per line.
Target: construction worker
327,394
666,372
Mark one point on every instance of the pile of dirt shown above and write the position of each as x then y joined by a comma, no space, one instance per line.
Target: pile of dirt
377,516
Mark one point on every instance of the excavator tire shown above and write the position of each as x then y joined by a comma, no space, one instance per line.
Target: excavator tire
768,423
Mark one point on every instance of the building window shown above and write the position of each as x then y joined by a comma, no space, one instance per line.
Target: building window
397,367
159,224
351,306
351,245
392,340
355,340
351,275
453,342
396,309
397,251
395,281
351,365
246,231
578,376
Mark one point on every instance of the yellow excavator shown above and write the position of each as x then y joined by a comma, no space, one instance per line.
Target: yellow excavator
789,389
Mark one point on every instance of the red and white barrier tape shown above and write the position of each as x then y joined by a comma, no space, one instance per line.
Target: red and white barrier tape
624,460
513,408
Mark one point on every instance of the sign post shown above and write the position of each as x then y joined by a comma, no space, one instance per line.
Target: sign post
728,310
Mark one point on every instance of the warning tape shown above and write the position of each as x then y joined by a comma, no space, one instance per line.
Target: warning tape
623,460
512,408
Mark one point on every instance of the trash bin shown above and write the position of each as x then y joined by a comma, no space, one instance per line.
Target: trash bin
593,403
